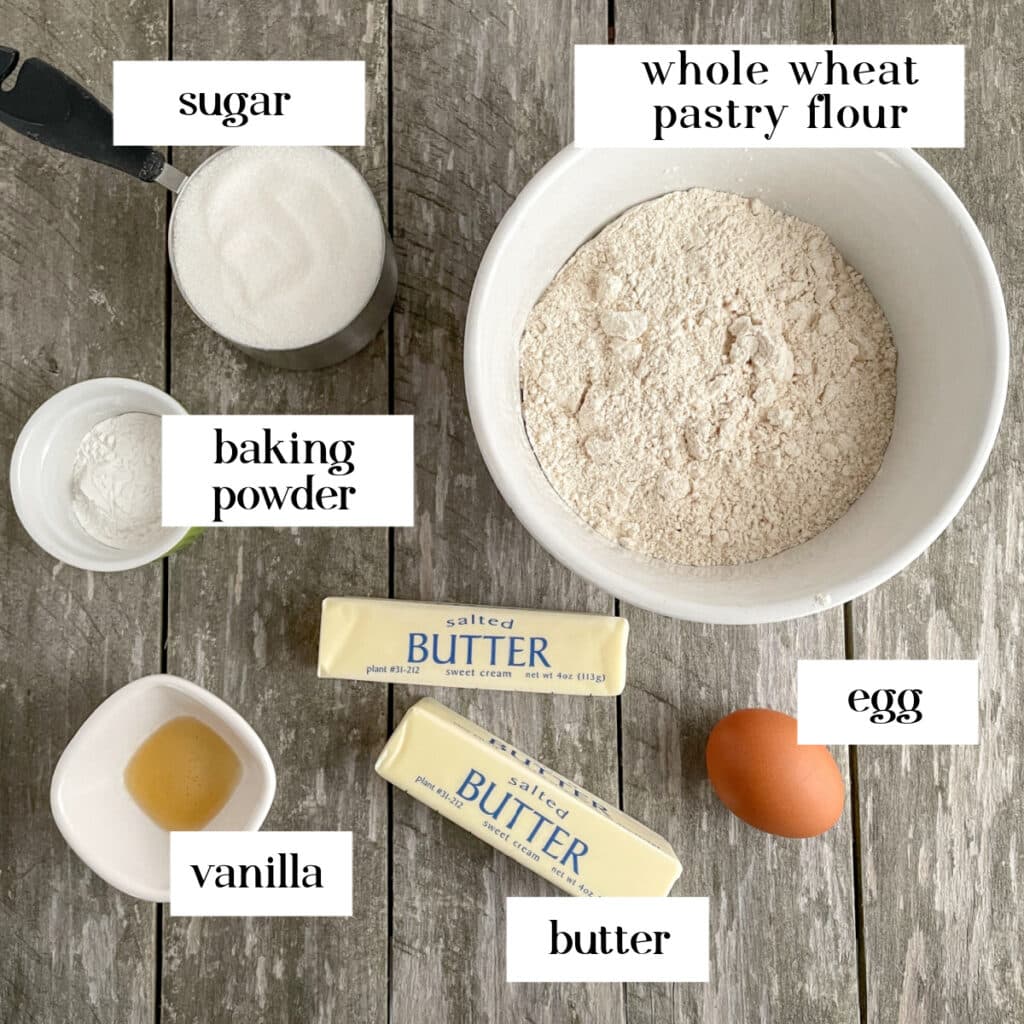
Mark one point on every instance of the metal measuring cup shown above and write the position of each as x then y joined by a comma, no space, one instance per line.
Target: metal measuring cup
49,107
345,341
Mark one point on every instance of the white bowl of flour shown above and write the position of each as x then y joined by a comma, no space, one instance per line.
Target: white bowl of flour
897,223
85,475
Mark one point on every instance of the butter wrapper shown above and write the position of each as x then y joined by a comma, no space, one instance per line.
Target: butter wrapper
577,841
472,646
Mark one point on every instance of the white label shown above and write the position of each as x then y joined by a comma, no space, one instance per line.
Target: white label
239,102
752,96
887,702
287,471
615,938
261,874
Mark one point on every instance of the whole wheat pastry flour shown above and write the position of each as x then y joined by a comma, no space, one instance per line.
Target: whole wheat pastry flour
707,381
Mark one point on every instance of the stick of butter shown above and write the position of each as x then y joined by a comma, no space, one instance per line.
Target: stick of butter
527,811
466,645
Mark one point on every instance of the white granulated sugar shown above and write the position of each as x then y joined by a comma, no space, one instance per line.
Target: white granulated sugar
707,381
277,247
115,481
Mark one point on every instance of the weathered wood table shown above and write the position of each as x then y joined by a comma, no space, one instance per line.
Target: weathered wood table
907,911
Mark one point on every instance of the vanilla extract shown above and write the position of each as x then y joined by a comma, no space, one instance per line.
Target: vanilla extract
183,774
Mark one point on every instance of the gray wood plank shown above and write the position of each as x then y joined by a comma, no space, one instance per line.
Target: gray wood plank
783,943
245,606
481,99
942,856
81,295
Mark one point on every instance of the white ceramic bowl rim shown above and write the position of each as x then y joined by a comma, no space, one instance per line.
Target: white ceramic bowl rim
628,587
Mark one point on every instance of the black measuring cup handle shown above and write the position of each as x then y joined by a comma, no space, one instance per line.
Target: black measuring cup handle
47,106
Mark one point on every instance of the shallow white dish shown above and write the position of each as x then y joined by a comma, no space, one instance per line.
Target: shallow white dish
44,457
895,220
96,814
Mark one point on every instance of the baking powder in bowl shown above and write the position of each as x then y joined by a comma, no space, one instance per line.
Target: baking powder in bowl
707,381
115,481
277,247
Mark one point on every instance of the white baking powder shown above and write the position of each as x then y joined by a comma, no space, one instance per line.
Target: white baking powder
277,247
115,482
707,381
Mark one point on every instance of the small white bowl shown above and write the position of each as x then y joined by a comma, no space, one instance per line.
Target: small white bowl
44,457
96,814
897,222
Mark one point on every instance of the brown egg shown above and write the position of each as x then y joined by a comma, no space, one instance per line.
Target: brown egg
763,777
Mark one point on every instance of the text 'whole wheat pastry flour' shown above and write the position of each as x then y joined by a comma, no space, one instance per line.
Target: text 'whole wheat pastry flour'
707,381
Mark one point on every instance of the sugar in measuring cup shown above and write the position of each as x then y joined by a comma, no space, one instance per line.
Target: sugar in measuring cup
281,250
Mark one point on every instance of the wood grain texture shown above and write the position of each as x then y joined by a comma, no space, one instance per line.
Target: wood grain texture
783,942
481,100
245,606
81,295
942,855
